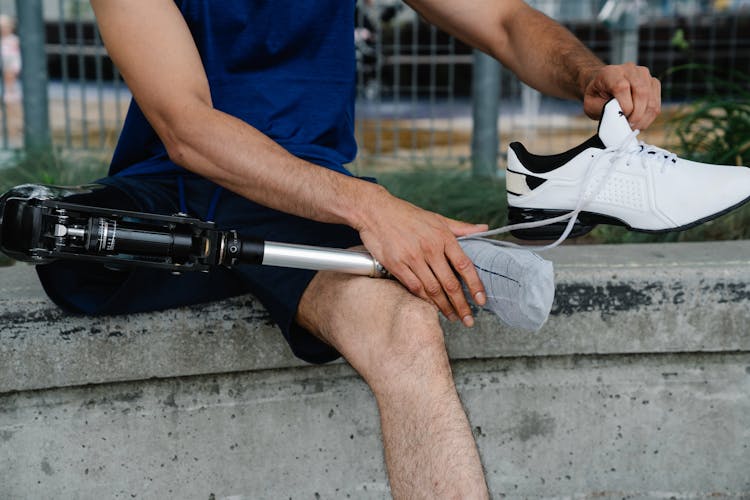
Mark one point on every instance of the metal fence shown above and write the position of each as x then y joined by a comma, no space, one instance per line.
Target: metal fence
85,98
414,81
416,87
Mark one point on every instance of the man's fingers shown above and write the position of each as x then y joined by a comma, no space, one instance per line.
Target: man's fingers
421,281
641,89
653,108
437,279
452,286
617,85
423,254
468,273
646,97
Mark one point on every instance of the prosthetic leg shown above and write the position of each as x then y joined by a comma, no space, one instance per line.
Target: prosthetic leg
37,225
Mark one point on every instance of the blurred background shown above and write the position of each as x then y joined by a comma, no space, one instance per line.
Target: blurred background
433,116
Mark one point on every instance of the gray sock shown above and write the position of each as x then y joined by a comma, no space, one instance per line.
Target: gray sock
519,283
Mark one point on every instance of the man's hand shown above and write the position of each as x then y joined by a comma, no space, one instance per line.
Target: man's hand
420,249
638,93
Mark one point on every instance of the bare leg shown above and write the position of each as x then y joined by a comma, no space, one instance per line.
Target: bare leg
394,340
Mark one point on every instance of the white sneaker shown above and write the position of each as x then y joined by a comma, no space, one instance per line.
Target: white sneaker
613,178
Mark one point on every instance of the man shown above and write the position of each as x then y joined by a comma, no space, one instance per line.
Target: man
256,97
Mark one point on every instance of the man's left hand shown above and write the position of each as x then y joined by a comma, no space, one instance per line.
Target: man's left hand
638,93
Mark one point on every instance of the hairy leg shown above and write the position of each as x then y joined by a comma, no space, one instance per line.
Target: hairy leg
394,340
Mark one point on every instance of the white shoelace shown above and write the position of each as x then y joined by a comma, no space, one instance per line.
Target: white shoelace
667,157
626,149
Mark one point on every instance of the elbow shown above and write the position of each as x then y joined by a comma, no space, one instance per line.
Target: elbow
181,129
177,146
498,46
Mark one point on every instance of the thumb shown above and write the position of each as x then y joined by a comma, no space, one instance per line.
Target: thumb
460,228
593,106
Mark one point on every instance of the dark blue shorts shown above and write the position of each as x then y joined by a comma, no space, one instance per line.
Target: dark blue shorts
91,288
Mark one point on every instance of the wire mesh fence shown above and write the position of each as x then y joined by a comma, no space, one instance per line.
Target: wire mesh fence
414,81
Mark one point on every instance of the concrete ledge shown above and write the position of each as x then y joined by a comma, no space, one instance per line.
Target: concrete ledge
638,387
610,300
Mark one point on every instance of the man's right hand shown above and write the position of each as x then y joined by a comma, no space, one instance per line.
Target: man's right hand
420,249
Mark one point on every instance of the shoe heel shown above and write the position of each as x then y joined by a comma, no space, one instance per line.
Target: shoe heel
549,232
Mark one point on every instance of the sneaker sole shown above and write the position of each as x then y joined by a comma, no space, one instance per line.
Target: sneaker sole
586,221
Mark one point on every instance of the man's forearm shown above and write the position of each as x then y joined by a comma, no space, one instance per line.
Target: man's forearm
233,154
546,55
539,50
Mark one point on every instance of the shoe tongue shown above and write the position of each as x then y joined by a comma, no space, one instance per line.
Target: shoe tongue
613,126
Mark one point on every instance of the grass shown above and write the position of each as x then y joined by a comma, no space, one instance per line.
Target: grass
454,194
48,167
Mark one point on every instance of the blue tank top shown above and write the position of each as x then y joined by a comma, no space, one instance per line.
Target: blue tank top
285,67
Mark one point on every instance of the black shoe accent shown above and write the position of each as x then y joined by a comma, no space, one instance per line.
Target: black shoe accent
534,182
585,222
543,164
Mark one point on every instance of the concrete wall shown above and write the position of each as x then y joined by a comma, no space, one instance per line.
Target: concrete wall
637,387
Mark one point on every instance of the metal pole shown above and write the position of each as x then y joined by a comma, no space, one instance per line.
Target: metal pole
36,131
485,109
624,34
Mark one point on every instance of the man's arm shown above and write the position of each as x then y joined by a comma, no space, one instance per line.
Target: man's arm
151,45
546,55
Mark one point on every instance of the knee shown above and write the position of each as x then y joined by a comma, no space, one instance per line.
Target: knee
413,344
414,328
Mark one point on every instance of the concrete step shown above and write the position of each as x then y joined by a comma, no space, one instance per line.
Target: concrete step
690,297
637,387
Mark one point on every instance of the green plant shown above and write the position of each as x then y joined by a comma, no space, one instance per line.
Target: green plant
716,128
678,40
